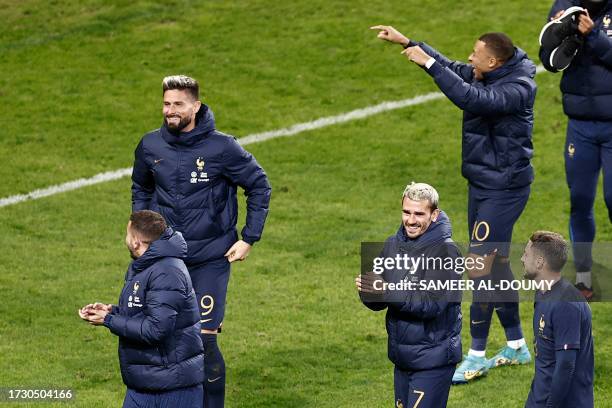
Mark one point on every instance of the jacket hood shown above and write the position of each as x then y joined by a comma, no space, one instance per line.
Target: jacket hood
436,233
205,123
170,244
518,65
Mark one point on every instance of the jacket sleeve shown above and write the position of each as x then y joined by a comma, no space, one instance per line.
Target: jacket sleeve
492,100
143,183
377,302
563,375
600,45
463,70
242,169
427,304
164,298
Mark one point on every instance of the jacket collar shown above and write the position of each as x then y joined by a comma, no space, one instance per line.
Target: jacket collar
518,63
170,244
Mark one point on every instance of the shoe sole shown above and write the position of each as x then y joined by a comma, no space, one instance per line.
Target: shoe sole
571,10
502,361
476,375
552,55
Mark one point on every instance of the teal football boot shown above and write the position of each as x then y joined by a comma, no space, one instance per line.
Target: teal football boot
471,368
510,356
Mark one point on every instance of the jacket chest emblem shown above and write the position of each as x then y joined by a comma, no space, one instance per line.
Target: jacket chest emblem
199,176
134,300
606,24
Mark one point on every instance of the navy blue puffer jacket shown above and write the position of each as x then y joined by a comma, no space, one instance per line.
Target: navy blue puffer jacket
191,179
424,327
587,83
497,118
158,320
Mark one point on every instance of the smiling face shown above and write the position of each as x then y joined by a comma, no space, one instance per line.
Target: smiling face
417,216
482,60
180,109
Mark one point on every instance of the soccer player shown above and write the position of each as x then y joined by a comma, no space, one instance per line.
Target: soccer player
496,92
587,99
157,319
563,341
424,327
189,172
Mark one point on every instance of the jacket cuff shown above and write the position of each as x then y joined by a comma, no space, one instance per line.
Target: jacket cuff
592,35
249,240
411,44
107,320
435,69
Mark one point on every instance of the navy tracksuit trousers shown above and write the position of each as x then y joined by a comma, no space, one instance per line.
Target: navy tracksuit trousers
588,150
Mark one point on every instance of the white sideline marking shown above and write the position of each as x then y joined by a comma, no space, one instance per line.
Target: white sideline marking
61,188
254,138
344,117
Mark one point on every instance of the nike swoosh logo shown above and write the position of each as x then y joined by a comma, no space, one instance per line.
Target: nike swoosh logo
157,161
476,245
211,381
478,322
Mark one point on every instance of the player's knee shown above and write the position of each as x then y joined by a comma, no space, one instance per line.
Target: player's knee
508,313
582,201
480,307
608,200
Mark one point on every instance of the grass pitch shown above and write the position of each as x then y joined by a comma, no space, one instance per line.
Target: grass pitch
82,84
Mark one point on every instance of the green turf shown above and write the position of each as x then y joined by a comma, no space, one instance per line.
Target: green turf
84,86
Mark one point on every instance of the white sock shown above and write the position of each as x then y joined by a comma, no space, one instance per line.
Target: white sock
476,353
516,344
584,277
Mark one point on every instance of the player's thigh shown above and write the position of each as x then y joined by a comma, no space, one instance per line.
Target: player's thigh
136,399
401,386
210,282
495,221
430,388
189,397
582,155
472,208
605,130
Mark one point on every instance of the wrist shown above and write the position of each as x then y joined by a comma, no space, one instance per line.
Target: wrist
405,42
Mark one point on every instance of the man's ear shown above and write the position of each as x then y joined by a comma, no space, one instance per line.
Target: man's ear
197,105
136,242
435,214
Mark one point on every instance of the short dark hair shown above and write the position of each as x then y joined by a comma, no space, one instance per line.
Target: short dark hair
552,246
149,224
182,83
499,44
